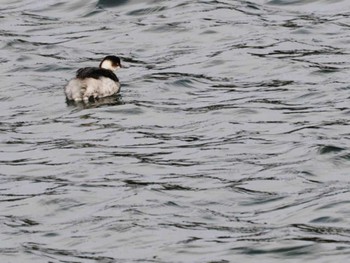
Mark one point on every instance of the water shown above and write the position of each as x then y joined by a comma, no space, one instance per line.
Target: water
229,141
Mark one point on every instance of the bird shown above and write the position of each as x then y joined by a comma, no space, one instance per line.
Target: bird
92,83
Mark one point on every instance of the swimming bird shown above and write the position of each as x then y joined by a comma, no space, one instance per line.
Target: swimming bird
92,83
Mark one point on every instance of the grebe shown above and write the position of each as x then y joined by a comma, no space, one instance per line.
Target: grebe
92,83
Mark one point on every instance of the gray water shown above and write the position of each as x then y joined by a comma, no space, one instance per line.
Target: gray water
229,141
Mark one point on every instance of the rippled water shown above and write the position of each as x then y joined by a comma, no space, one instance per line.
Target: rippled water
229,142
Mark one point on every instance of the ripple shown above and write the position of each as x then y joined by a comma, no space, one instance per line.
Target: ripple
112,3
330,149
290,2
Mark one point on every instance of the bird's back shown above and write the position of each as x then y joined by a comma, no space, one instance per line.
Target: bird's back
96,73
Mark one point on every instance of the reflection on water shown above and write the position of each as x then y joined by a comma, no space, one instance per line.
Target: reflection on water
229,141
107,101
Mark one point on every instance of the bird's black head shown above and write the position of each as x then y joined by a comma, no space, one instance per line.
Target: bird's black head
111,63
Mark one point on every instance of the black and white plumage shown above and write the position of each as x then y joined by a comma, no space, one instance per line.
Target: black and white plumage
95,82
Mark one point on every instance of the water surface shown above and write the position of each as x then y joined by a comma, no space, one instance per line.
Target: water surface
229,142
